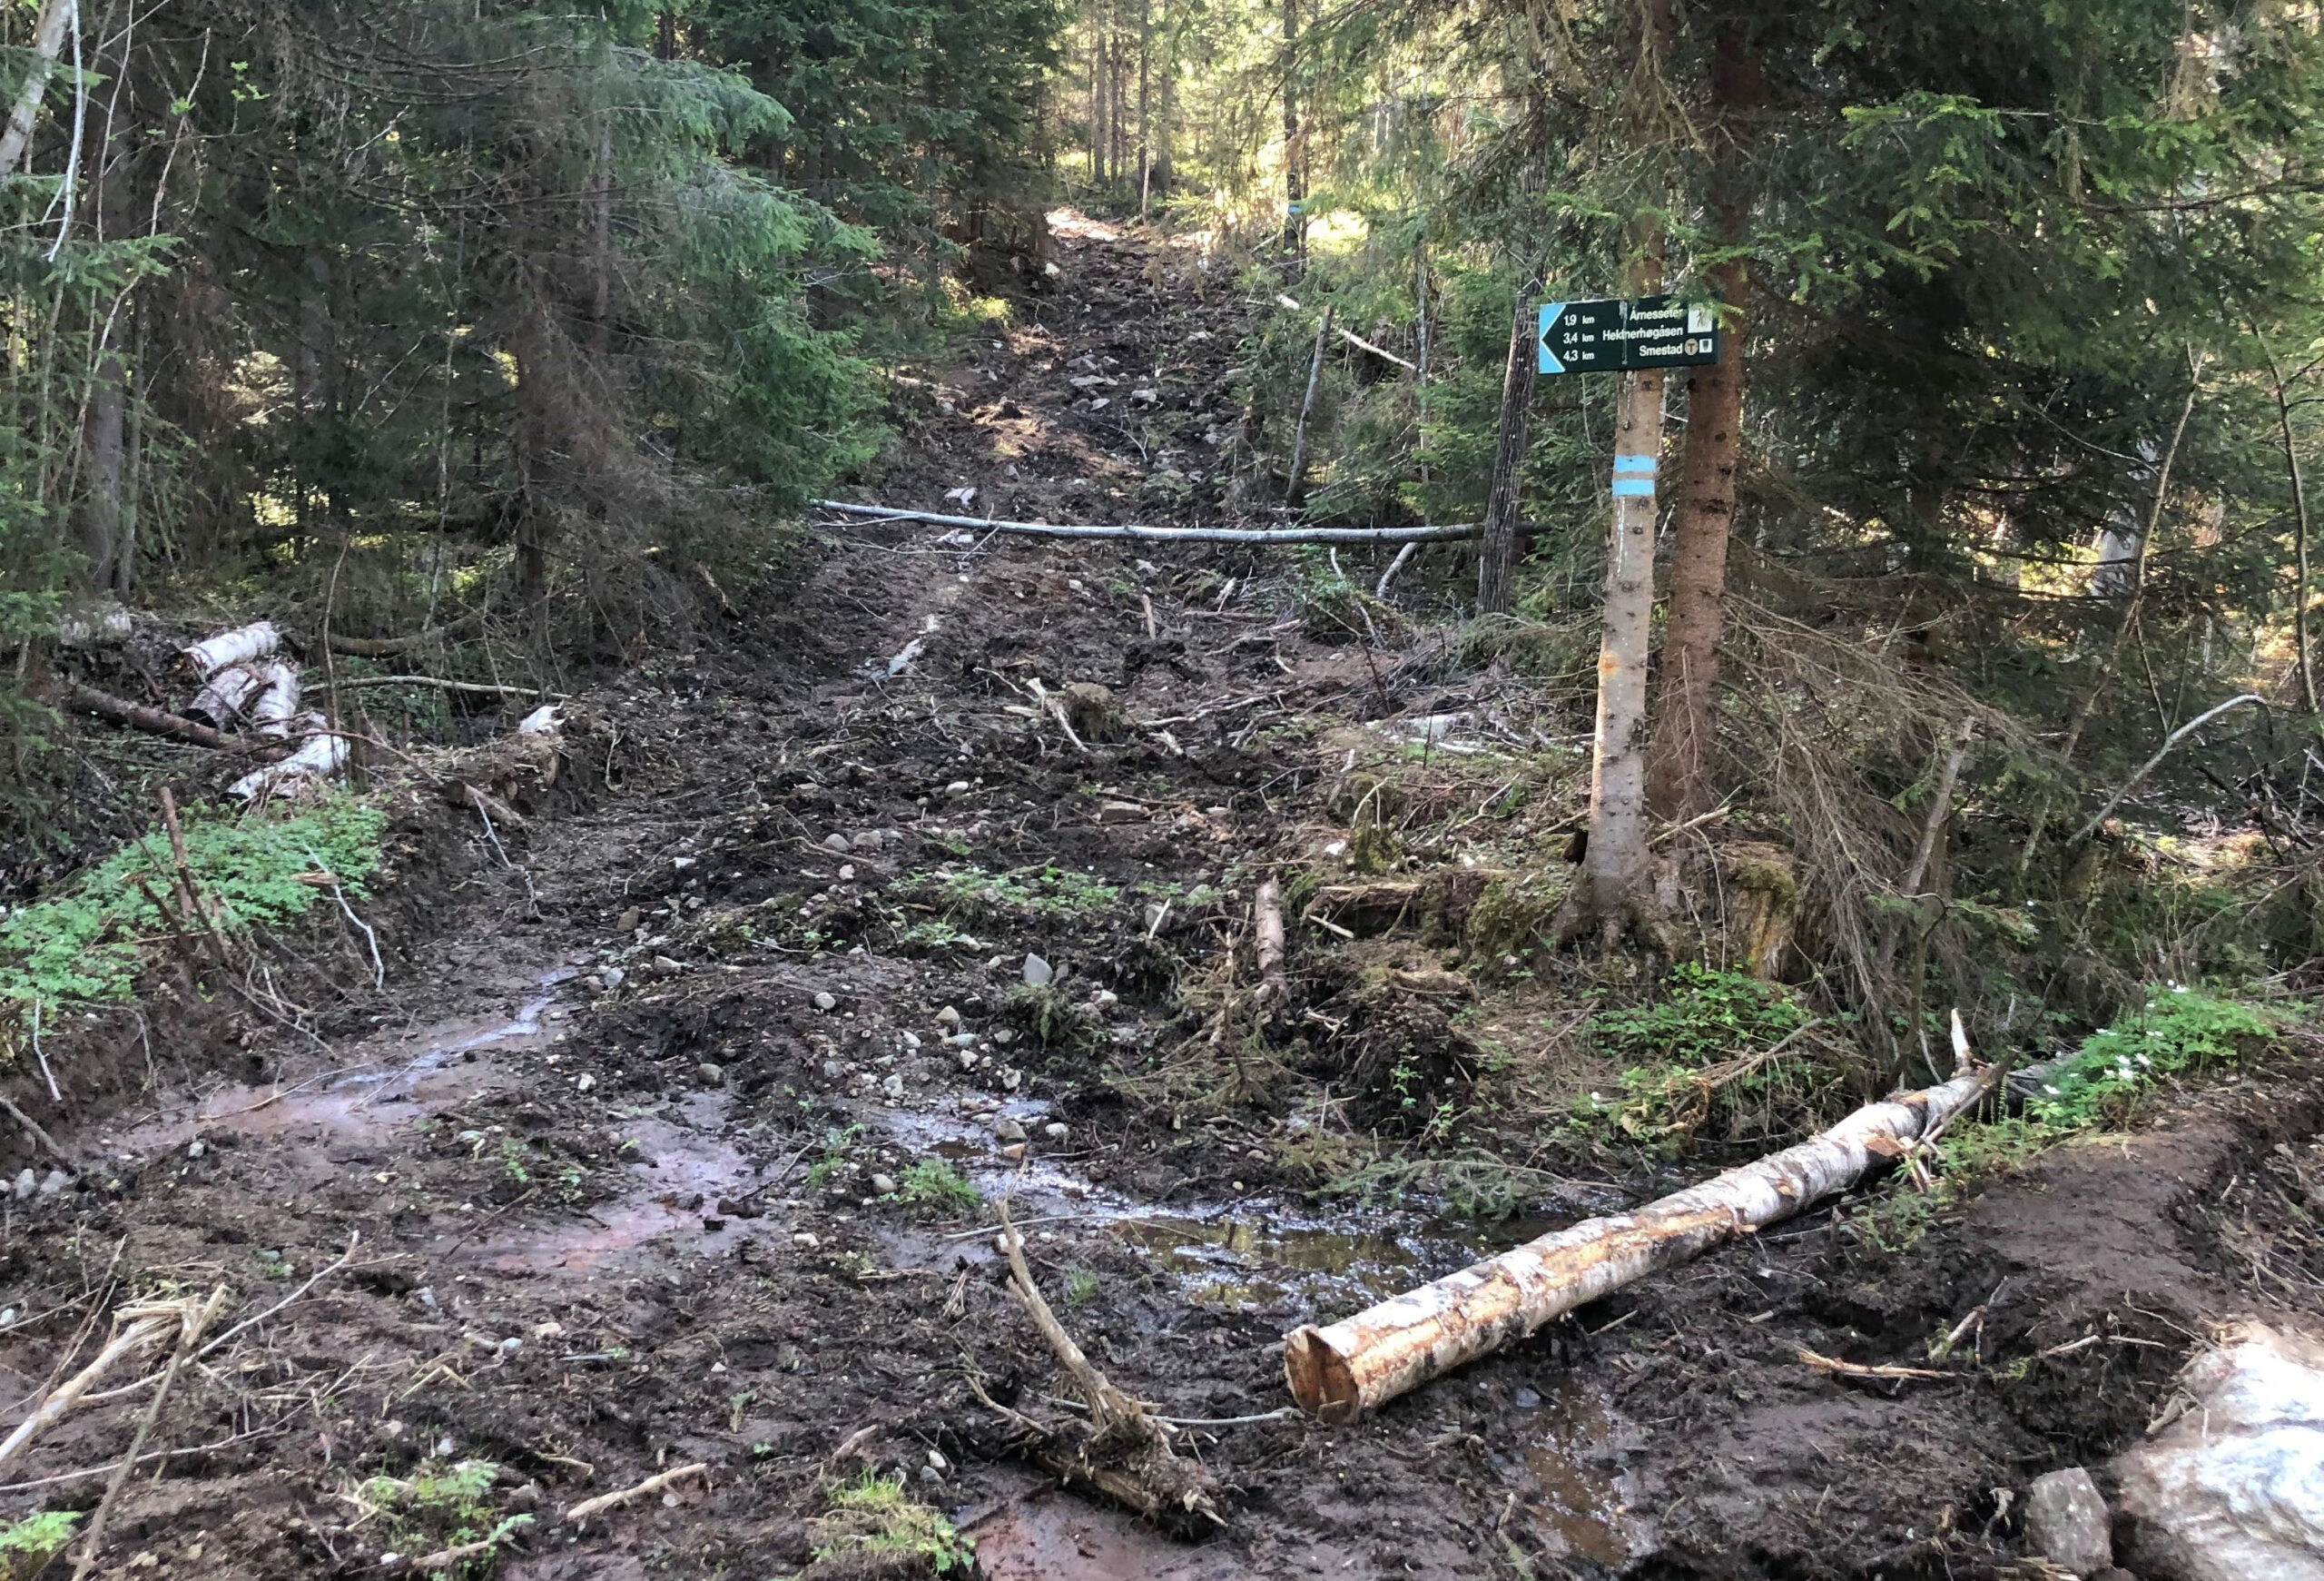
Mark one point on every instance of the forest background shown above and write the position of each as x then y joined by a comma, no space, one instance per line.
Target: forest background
531,332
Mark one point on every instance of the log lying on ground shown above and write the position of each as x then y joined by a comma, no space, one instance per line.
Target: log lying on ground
388,647
157,721
1338,1373
240,645
1447,532
323,755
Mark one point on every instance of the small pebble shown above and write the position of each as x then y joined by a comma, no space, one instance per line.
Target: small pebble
196,1148
834,1070
825,1001
666,967
1004,1037
1013,1152
805,1241
427,1296
1106,996
911,1040
1055,1131
893,1086
584,1082
839,843
968,1059
510,1346
938,1464
56,1182
948,1017
884,1185
709,1075
1007,1130
958,788
27,1184
615,977
846,871
1039,972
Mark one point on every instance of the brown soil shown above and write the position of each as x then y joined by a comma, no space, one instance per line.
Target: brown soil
599,1227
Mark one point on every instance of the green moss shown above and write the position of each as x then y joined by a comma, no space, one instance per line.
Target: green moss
1773,879
1508,916
872,1518
1053,1019
934,1184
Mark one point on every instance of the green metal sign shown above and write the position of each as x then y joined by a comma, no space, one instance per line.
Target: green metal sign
1616,334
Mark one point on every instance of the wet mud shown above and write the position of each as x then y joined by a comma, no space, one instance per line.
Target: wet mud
683,1145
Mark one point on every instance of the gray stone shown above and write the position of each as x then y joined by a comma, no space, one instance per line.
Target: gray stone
56,1182
948,1017
710,1075
615,977
2066,1522
1007,1129
27,1183
1037,972
884,1185
826,1001
839,843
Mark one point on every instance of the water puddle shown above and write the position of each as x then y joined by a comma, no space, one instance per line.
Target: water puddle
1575,1493
365,1101
692,1191
1041,1534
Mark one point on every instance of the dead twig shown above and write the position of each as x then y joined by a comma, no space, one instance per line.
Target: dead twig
194,1318
1886,1371
651,1486
32,1126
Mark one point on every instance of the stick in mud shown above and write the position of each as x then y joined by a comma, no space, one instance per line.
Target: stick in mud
652,1485
1339,1372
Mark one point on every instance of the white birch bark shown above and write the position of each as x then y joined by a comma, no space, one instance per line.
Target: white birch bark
240,645
1339,1372
48,42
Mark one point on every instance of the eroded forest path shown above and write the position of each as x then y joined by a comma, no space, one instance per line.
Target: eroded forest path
650,1153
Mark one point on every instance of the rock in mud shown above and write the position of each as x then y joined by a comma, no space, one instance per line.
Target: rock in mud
615,977
838,842
667,966
27,1183
54,1182
2233,1490
1120,813
883,1185
1039,972
1007,1130
2066,1522
826,1003
948,1017
707,1075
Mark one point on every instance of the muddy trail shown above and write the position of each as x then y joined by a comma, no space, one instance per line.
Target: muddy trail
674,1138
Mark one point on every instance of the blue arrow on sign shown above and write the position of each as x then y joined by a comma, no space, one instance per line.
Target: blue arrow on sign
1549,311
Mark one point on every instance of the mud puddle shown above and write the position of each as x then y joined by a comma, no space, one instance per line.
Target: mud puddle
363,1102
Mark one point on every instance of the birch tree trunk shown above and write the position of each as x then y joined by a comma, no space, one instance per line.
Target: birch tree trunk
1339,1372
1497,552
1145,122
1679,785
48,40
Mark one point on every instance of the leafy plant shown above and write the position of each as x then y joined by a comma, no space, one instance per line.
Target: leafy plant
27,1546
872,1516
1043,893
2178,1030
442,1505
836,1143
934,1183
1081,1287
1717,1045
86,943
1709,1015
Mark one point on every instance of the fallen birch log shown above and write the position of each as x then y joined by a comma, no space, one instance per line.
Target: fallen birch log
1445,533
323,755
240,645
1339,1372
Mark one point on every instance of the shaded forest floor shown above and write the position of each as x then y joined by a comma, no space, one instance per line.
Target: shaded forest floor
675,1141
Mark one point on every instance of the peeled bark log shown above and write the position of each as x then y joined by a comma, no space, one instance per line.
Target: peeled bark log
322,756
230,689
238,646
1268,911
277,704
1338,1373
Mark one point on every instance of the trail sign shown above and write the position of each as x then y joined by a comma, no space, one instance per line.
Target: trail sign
1613,334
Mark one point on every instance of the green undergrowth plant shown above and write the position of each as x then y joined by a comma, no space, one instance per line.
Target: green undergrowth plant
445,1505
1043,893
1469,1184
27,1546
872,1525
87,941
935,1186
1721,1054
2178,1030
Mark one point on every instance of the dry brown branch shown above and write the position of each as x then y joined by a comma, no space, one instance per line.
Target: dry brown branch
1886,1371
659,1482
1126,1455
136,1327
138,717
194,1318
32,1126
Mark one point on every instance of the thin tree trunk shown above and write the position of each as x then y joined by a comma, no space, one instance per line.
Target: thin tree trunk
2300,535
1679,783
1166,124
48,39
1307,406
2105,677
601,243
1497,552
1100,128
535,440
1145,124
1295,172
101,439
1420,367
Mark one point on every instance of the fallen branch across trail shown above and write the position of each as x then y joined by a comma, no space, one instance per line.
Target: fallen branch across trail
1339,1372
1446,533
